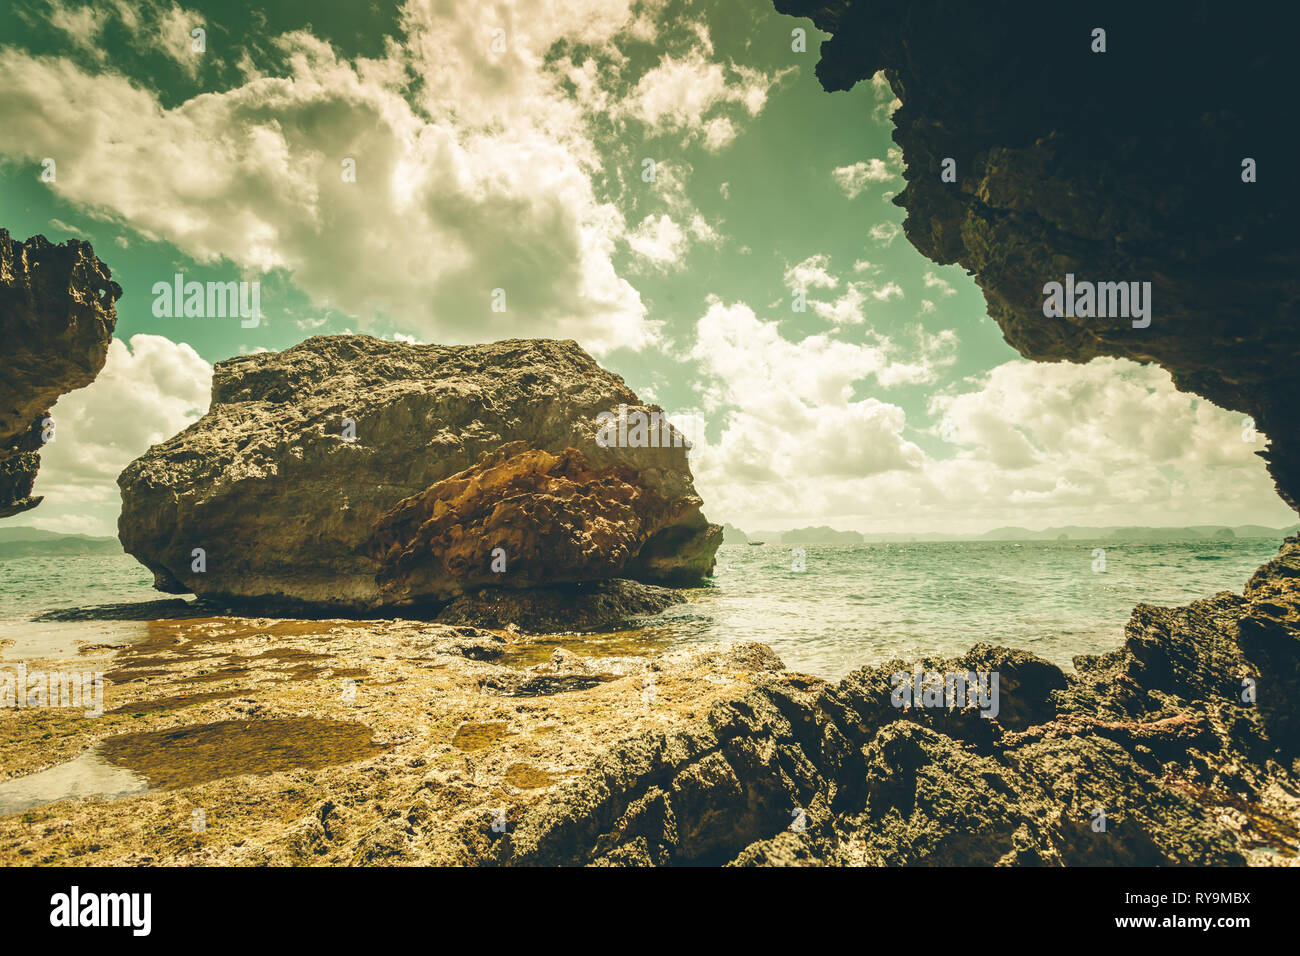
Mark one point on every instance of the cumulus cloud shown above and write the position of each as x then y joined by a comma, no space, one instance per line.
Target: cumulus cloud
662,238
793,439
943,287
1095,444
688,94
811,273
814,273
663,243
146,393
786,411
474,165
81,25
883,233
856,178
886,101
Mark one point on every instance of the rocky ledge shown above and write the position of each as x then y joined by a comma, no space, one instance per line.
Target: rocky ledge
56,320
355,474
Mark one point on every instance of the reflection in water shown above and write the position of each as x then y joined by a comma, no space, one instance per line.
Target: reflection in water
185,756
30,640
527,777
87,776
478,736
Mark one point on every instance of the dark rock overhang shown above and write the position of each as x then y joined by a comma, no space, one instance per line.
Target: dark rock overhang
1116,166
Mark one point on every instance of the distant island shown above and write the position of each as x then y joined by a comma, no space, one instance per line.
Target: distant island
820,535
24,542
733,535
823,535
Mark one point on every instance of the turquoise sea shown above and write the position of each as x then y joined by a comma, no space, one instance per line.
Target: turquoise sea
853,605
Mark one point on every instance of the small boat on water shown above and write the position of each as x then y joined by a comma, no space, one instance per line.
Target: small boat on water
752,543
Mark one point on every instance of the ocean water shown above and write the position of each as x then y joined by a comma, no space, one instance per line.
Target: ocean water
853,605
866,604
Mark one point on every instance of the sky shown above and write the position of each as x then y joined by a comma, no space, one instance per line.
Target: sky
664,182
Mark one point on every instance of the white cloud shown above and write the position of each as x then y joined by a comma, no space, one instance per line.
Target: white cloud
658,239
477,176
845,309
82,26
932,281
172,35
883,233
812,273
1110,442
146,393
886,101
787,411
62,226
690,94
856,178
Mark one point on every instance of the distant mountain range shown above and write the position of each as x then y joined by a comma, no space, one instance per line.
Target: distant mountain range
23,542
20,542
823,535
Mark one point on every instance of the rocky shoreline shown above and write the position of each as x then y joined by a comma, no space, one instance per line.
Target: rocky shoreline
370,479
462,745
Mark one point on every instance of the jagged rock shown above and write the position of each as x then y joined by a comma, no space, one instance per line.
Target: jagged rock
1117,166
56,320
457,451
1156,735
468,642
596,606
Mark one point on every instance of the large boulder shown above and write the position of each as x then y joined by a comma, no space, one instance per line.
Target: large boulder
56,320
351,472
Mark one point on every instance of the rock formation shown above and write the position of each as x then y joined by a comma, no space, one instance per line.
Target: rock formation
1157,735
56,320
1116,166
354,473
1068,162
583,607
1128,165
